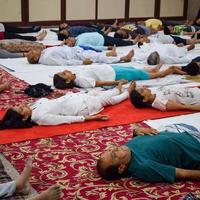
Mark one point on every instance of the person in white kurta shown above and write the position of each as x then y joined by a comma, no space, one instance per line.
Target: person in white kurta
74,107
169,53
167,98
64,55
70,108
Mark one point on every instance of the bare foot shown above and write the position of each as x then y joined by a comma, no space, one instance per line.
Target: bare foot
114,25
112,52
128,57
22,181
5,86
192,46
41,35
52,193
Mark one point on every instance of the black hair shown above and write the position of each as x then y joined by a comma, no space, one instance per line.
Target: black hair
166,30
137,100
62,36
111,173
118,35
13,119
140,44
33,61
153,58
60,83
192,69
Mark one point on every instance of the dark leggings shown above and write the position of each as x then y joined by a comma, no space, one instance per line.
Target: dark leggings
179,40
8,35
111,41
18,29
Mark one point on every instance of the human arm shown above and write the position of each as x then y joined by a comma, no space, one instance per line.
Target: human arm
96,117
108,83
187,174
138,130
173,105
60,61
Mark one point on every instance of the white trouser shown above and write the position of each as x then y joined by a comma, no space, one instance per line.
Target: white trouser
7,189
111,97
98,57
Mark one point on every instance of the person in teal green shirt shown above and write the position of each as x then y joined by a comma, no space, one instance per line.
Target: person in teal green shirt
164,157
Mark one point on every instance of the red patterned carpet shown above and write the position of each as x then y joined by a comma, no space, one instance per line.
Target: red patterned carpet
70,161
16,96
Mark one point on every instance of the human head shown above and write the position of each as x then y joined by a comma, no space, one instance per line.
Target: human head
33,56
144,39
153,58
63,26
140,97
64,79
16,118
70,41
63,34
122,34
168,30
192,68
113,163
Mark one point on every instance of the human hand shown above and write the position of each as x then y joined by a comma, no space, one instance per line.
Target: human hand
96,117
144,131
87,61
132,86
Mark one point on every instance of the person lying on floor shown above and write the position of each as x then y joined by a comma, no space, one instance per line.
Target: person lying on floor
167,39
108,75
154,53
193,68
17,48
7,32
70,108
4,85
181,30
98,41
75,31
21,185
64,55
166,98
163,157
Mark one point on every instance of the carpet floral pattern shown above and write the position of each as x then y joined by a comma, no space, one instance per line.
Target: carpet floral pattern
70,161
16,96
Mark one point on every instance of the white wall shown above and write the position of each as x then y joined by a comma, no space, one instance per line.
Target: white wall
10,10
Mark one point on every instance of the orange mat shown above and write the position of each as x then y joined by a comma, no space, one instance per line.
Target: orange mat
120,114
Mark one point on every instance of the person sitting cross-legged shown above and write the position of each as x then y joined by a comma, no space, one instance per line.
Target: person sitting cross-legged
166,98
107,75
153,157
64,55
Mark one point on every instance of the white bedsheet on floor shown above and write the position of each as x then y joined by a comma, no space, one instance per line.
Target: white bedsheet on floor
191,119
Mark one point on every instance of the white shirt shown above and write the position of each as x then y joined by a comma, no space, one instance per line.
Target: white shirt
2,28
161,38
73,107
88,76
185,96
61,55
169,53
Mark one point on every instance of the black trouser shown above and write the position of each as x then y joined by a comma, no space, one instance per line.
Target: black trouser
179,40
18,29
197,59
8,35
111,41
